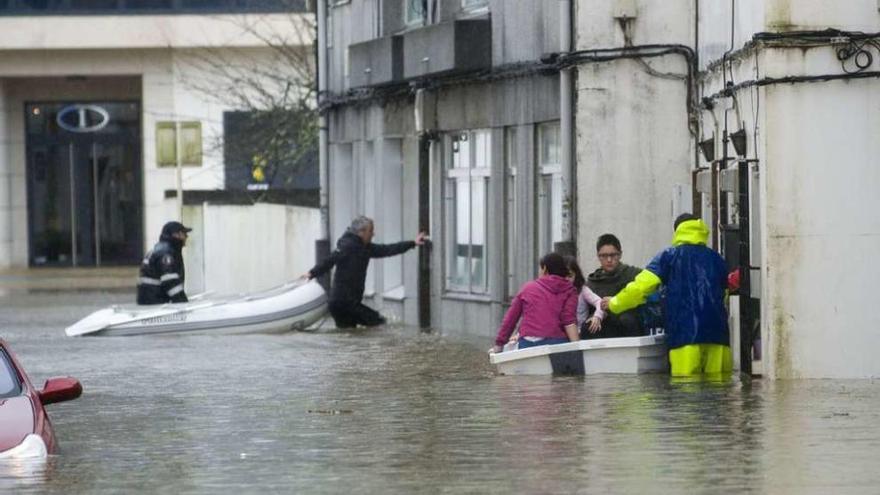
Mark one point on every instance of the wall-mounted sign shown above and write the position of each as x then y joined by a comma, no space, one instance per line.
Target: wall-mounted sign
82,118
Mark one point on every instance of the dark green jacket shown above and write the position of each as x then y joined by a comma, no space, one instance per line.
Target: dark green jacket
626,324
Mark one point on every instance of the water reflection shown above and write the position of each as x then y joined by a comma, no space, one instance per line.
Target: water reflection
398,411
17,474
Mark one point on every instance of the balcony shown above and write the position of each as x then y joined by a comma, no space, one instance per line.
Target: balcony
376,62
458,46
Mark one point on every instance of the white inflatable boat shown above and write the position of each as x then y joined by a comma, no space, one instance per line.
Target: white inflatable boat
646,354
291,306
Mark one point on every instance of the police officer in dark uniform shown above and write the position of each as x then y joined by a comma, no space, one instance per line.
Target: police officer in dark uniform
162,273
351,257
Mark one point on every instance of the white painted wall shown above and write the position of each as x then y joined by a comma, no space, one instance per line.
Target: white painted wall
634,150
235,249
147,31
819,229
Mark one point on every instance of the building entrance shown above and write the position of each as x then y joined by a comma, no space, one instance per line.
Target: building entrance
84,183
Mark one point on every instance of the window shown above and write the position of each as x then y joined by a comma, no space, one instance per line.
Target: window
473,5
549,187
9,383
178,137
416,12
512,229
466,211
392,214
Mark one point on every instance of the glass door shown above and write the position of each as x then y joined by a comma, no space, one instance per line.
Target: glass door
84,184
51,178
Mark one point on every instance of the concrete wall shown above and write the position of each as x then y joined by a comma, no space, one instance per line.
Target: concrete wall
817,231
750,17
235,249
634,150
107,32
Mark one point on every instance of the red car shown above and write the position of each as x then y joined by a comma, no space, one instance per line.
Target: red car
25,429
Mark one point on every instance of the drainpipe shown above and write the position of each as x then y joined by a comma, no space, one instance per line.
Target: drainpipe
322,244
566,131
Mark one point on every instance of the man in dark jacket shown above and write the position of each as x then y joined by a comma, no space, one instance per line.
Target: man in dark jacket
609,279
351,257
162,273
695,278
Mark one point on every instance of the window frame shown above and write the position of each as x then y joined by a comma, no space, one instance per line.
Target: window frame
415,22
474,6
472,174
549,207
511,202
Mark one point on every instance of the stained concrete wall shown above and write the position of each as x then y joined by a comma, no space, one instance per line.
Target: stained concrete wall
634,149
817,231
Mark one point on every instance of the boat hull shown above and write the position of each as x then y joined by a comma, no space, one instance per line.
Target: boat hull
292,307
628,355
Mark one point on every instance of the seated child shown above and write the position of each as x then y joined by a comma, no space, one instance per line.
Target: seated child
586,298
547,307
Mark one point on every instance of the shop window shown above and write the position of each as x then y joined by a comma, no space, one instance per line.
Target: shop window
466,210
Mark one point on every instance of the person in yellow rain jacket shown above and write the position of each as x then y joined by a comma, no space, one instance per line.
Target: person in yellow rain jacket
695,281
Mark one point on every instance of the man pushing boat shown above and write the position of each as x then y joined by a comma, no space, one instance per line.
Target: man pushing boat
351,257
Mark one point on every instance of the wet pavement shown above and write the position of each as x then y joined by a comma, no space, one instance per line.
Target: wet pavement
395,410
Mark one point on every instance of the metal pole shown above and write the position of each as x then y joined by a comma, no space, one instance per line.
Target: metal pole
322,244
745,268
73,252
424,274
566,124
179,171
97,204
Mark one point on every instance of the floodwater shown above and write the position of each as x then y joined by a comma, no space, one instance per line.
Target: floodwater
398,411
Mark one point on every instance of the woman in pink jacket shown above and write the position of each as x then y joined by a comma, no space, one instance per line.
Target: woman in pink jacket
547,307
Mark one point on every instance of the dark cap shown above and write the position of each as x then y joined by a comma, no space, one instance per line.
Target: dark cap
174,227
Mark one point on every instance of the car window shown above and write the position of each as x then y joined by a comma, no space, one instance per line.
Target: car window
10,385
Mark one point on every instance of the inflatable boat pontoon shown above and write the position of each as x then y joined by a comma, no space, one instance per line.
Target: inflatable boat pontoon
288,307
646,354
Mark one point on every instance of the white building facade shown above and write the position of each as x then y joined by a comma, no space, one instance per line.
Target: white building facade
802,80
99,103
770,138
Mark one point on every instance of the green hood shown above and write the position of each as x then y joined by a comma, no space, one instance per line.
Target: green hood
691,232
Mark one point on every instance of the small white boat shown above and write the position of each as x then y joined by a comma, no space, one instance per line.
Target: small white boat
646,354
292,306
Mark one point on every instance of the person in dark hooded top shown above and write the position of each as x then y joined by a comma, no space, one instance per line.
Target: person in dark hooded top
609,279
162,273
351,258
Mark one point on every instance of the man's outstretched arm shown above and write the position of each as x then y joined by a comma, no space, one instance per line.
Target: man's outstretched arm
385,250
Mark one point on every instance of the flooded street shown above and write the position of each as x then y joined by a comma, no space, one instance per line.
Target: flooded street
396,410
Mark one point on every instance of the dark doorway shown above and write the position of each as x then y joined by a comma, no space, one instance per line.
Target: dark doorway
84,183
